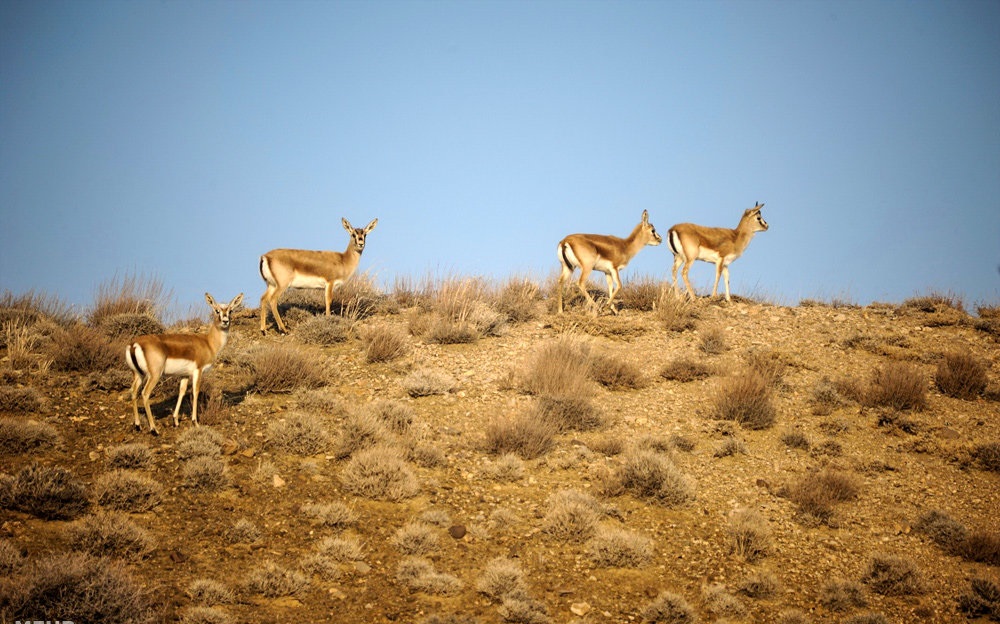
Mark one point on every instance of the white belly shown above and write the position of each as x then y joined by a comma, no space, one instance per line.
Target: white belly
175,366
708,255
307,281
604,266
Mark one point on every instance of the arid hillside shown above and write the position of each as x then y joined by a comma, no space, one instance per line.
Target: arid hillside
456,453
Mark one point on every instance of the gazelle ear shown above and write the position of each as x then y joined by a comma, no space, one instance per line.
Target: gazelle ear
210,301
237,300
645,216
758,206
346,224
371,226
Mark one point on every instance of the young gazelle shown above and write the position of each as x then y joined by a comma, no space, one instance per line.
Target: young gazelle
300,268
155,355
607,254
691,242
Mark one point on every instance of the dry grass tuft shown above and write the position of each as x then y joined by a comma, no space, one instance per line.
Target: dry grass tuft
360,430
983,600
519,299
559,368
301,433
336,514
199,442
131,294
80,588
961,375
760,584
524,435
669,608
842,595
273,581
572,516
943,530
23,436
15,400
281,368
713,341
243,531
685,370
720,602
796,439
502,578
750,535
397,416
131,456
47,492
619,548
324,330
988,455
209,592
379,473
746,399
82,349
416,538
110,535
205,473
891,575
568,413
382,343
616,374
125,490
897,385
205,615
677,314
769,364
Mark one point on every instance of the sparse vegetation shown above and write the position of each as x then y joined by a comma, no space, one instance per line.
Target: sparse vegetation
983,600
685,370
124,490
523,435
988,455
384,344
303,433
110,535
647,474
26,436
616,374
750,535
746,399
380,474
620,548
842,595
669,608
17,400
818,492
891,575
131,456
572,516
428,382
961,375
271,580
898,385
48,492
324,330
713,341
282,369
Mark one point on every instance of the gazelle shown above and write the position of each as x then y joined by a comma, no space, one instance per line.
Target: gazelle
300,268
607,254
154,355
691,242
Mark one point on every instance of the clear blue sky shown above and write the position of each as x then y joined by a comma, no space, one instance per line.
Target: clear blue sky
183,139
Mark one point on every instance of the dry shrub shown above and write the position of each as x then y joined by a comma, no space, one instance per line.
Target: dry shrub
21,339
713,341
360,430
898,385
131,456
842,595
523,435
324,330
793,616
943,530
981,547
205,473
397,416
825,397
568,413
379,473
640,293
720,602
746,399
961,375
199,442
281,368
508,467
82,349
128,325
19,400
988,455
419,574
571,516
616,374
80,588
523,610
669,608
32,308
619,548
891,575
47,492
519,299
559,368
685,370
676,313
11,557
416,538
448,331
110,535
428,382
125,490
818,492
272,581
300,433
750,535
384,344
341,549
21,436
607,446
983,600
647,474
867,618
934,301
209,592
502,578
131,294
769,364
337,515
730,447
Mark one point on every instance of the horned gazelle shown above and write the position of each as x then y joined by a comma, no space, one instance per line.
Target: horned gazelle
300,268
607,254
721,246
154,355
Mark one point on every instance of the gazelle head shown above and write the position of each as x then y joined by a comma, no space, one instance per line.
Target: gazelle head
223,312
358,234
649,231
752,216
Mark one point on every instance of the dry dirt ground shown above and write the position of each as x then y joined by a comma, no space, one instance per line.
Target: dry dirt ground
903,472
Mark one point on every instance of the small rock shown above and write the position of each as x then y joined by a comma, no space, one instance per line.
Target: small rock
278,481
457,531
580,608
362,568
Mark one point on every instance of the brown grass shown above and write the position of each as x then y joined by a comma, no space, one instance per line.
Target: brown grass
110,534
379,473
205,474
419,574
961,375
125,490
502,578
750,535
559,368
47,492
677,314
384,344
24,436
571,516
323,330
83,349
818,492
712,341
282,369
130,295
842,595
669,608
272,581
568,413
746,399
416,538
617,374
519,299
619,548
988,455
891,575
524,435
302,433
982,600
685,370
650,475
428,382
898,385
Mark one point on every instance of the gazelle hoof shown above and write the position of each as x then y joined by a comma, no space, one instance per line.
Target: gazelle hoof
154,432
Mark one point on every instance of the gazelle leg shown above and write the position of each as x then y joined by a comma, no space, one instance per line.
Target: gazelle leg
328,294
147,390
718,274
136,384
687,282
725,277
195,388
678,261
581,286
180,397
